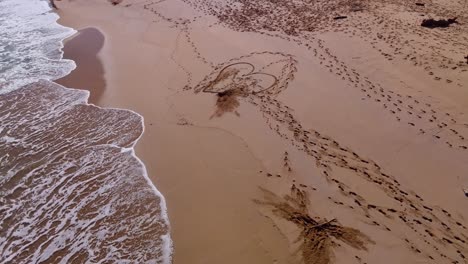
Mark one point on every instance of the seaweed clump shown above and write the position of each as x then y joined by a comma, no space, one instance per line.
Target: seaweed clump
318,238
432,23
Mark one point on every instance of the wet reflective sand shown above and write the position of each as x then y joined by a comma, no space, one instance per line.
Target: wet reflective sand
83,49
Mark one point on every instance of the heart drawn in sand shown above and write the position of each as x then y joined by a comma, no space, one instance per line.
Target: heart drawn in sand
241,75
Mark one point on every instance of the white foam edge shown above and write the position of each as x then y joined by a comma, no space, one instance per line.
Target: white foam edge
166,239
67,35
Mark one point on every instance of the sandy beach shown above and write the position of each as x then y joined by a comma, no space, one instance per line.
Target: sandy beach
89,74
298,132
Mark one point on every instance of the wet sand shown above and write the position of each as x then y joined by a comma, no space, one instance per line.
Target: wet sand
83,49
350,128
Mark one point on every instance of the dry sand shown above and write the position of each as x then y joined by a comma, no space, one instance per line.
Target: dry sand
360,120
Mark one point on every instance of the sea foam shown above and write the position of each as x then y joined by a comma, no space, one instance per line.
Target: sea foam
71,188
30,44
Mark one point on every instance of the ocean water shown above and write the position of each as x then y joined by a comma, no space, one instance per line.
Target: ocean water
30,44
71,188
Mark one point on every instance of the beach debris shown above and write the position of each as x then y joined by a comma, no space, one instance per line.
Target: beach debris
466,57
340,17
432,23
227,101
115,2
465,190
420,4
318,237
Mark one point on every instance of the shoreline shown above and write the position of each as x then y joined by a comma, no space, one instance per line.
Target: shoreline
262,232
47,199
89,72
101,159
79,81
210,163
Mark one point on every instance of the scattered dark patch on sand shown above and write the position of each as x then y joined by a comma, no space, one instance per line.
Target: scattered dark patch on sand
318,237
227,101
115,2
432,23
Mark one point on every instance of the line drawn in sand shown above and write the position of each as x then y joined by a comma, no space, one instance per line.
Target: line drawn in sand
300,25
240,78
257,78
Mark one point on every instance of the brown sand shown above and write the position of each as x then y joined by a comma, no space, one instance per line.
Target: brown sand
89,74
317,239
366,114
